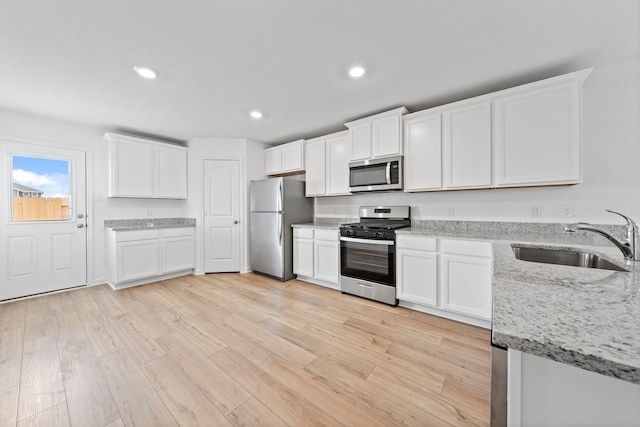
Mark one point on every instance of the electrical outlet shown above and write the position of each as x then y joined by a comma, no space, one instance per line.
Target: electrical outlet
450,211
567,211
536,211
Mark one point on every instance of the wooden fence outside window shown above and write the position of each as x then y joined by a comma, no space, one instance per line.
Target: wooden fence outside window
40,208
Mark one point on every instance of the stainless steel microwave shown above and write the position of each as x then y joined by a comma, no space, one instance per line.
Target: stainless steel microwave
376,174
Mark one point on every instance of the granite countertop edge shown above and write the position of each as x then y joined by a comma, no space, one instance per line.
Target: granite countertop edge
148,223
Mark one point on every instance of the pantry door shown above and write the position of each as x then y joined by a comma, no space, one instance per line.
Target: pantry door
43,235
221,216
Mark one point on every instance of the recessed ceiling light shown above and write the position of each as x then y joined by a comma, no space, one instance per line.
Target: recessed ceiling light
256,114
145,72
356,72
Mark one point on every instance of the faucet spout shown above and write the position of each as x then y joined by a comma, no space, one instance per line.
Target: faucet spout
630,247
623,245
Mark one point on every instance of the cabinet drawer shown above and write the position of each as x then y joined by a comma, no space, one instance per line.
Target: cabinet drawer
128,236
303,233
467,247
177,232
330,235
421,243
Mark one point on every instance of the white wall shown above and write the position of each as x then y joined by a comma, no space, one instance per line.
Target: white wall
22,127
611,137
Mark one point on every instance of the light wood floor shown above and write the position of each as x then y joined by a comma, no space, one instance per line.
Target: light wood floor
231,349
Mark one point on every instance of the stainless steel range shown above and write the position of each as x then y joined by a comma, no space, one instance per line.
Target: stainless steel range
368,252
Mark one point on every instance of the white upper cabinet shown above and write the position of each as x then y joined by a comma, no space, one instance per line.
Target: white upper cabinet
327,171
376,136
537,133
467,146
524,136
337,178
422,151
316,168
170,172
273,161
285,159
142,168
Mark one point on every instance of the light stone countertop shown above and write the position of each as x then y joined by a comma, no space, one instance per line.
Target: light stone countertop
585,317
148,223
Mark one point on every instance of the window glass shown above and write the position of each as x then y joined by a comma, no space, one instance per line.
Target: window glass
40,189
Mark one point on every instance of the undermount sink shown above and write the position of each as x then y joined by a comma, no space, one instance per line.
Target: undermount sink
564,257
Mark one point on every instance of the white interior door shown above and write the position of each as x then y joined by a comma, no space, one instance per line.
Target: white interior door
43,230
221,215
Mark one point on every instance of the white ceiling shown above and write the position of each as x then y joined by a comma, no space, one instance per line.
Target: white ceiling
219,59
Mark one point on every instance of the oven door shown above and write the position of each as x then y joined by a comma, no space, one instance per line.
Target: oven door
368,259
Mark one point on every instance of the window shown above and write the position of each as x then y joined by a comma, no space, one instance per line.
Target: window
40,189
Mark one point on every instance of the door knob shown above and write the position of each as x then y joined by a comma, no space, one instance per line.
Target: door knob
80,215
235,222
80,225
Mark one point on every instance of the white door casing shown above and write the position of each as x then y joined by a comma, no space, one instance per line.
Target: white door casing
221,203
42,256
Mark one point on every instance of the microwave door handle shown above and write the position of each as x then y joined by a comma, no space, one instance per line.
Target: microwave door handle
389,173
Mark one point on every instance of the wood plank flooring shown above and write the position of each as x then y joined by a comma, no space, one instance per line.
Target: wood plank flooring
238,350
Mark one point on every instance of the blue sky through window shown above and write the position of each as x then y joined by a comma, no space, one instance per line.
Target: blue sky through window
48,175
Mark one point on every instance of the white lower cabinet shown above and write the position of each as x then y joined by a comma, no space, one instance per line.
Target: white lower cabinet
316,256
177,249
143,256
137,255
447,277
303,251
417,269
326,249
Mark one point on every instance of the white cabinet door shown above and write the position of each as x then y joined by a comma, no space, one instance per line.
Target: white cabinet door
131,168
137,259
326,251
303,257
417,275
293,156
360,141
386,136
466,285
423,152
417,269
316,168
337,168
538,136
273,160
467,146
326,265
170,172
177,249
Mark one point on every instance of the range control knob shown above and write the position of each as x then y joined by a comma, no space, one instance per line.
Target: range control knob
380,234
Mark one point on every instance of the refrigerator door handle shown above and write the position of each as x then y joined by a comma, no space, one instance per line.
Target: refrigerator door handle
280,196
280,230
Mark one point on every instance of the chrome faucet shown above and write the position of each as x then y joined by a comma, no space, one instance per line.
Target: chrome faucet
628,246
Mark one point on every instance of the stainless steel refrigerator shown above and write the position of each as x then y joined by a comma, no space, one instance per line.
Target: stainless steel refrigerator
276,203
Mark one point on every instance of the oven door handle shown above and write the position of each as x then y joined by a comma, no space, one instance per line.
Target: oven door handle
368,241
